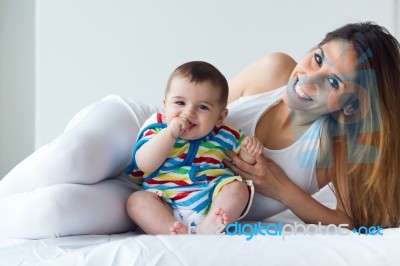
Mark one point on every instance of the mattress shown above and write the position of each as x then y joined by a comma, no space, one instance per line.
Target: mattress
301,247
139,249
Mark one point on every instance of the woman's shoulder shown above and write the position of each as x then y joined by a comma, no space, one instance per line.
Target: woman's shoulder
266,74
270,72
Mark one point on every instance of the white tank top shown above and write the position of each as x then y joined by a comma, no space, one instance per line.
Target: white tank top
298,160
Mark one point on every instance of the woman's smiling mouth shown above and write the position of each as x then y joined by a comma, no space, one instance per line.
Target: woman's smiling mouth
299,92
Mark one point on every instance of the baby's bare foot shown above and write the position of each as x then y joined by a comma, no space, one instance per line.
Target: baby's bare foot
214,223
178,229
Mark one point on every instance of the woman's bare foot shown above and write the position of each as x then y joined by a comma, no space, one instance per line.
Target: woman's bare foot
179,229
214,223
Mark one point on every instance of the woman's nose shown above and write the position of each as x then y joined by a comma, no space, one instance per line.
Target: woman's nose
309,84
308,80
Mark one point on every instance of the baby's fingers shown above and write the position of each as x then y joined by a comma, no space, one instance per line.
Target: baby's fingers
252,146
259,147
245,142
184,125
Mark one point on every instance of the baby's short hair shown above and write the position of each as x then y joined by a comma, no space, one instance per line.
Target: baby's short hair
200,71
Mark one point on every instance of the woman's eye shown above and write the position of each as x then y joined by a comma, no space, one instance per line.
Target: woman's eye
318,59
203,107
334,83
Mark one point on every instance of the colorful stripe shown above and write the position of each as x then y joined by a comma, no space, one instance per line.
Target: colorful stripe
193,172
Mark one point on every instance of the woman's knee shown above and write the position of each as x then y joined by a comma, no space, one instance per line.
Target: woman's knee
72,209
80,159
44,215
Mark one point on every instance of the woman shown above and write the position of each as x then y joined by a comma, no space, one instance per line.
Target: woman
337,122
351,82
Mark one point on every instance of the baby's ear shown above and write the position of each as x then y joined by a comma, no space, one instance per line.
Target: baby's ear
222,116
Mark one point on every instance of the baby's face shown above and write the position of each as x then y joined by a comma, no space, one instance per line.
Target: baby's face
198,103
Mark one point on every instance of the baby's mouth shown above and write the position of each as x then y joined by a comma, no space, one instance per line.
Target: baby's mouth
191,125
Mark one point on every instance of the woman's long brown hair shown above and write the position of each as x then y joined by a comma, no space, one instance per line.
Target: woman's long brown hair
365,170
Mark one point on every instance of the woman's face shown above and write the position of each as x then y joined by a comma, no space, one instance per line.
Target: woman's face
322,82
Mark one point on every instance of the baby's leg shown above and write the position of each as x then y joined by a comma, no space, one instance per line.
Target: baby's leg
66,209
96,147
150,213
227,207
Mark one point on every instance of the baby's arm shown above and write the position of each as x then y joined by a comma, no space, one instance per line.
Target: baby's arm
151,155
250,148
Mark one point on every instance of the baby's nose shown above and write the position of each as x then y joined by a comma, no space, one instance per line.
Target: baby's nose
189,111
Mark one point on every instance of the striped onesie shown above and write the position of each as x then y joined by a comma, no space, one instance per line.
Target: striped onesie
193,173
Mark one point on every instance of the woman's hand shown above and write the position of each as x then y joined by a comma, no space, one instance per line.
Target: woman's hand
268,178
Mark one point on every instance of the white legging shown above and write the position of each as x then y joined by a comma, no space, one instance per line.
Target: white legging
66,187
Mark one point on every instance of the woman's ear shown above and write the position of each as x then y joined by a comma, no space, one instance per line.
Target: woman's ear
351,108
348,110
222,116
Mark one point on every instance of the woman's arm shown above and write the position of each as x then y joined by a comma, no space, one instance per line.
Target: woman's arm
309,209
266,74
271,181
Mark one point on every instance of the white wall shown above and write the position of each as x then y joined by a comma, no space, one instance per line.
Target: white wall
397,19
16,82
87,49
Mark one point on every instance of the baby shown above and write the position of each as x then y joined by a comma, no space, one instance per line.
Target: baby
178,158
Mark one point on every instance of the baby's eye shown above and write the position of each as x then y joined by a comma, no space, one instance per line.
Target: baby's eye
318,59
203,107
180,103
334,83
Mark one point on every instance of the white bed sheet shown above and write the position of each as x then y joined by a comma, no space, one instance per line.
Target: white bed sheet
136,249
139,249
